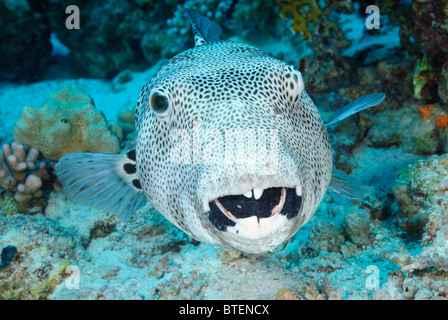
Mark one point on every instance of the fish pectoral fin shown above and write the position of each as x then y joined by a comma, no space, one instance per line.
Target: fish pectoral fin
345,185
362,103
204,29
107,182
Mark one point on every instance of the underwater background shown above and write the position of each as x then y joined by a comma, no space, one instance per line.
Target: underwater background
67,87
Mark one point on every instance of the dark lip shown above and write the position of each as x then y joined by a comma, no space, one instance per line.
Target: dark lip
242,207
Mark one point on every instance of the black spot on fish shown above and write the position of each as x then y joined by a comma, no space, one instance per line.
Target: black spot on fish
131,155
129,168
136,183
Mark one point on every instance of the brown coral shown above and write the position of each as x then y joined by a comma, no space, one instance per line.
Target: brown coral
22,174
68,122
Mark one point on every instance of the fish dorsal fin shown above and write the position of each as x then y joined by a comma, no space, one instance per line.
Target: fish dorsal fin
362,103
204,29
345,185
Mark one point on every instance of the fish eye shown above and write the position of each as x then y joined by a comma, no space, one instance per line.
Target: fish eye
159,103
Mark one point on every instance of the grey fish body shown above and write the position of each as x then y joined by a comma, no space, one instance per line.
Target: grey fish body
230,86
230,149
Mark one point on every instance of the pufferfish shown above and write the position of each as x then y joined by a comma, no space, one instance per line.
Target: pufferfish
229,148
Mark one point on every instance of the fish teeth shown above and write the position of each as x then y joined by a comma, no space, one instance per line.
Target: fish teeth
257,193
299,190
248,194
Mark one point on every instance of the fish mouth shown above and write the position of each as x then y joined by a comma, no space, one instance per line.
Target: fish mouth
256,206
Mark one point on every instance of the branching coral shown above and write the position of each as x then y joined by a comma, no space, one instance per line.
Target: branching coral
22,174
303,12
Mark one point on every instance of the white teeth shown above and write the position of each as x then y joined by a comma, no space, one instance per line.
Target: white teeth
248,194
257,193
299,190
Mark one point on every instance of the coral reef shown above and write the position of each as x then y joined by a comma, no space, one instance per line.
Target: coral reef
286,294
303,13
68,122
245,12
425,81
34,270
130,35
417,129
402,14
126,122
23,175
442,121
108,39
383,63
344,135
120,80
114,36
431,33
419,190
358,227
126,118
326,67
25,40
426,112
421,193
174,39
8,253
356,62
324,236
389,76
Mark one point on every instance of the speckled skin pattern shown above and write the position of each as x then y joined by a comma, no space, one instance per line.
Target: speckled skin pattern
214,88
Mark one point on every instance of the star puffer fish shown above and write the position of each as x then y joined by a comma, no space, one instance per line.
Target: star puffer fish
229,148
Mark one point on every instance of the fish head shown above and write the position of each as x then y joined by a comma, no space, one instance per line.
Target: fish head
230,148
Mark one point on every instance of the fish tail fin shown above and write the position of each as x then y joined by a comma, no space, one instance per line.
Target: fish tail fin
362,103
345,185
107,182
